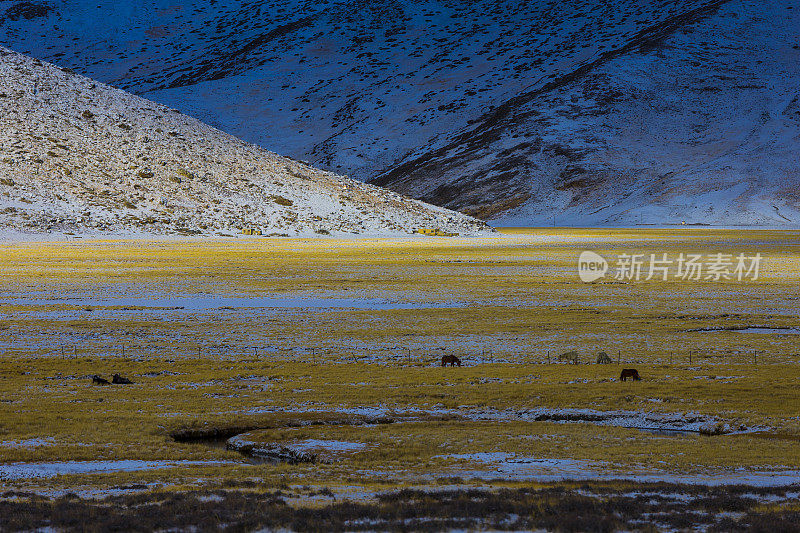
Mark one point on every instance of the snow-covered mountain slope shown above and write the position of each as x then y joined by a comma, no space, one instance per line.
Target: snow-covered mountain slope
350,86
523,112
702,126
80,156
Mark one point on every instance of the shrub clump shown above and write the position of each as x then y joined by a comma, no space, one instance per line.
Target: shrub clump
185,174
280,200
553,508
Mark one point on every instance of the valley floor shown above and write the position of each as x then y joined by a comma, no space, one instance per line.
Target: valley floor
296,383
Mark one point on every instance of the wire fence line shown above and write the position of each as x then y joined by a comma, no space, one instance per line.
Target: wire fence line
415,355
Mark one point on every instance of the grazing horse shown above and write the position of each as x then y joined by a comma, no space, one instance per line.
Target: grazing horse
452,360
99,381
571,356
119,380
629,373
603,359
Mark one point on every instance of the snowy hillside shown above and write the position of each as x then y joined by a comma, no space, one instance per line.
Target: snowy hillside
348,86
523,112
701,127
79,156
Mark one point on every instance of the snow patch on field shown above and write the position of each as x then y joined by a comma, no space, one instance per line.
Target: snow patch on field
643,420
522,468
293,451
29,443
511,465
658,421
16,471
328,445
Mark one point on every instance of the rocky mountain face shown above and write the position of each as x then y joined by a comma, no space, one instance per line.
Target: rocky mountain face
696,121
79,156
521,112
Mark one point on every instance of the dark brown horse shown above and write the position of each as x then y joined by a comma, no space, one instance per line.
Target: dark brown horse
100,381
629,373
119,380
452,360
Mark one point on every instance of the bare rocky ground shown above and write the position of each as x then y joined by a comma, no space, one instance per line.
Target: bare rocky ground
78,156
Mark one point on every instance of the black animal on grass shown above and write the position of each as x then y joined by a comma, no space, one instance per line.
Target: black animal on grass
99,381
452,360
629,373
119,380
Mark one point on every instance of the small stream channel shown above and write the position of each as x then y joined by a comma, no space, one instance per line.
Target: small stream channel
274,453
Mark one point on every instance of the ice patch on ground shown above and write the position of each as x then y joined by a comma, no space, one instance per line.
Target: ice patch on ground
15,471
370,412
328,445
513,467
510,464
643,420
203,302
28,443
293,451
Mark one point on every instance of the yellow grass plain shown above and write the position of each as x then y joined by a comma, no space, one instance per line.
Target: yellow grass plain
506,305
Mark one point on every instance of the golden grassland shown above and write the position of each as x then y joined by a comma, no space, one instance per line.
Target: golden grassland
507,305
